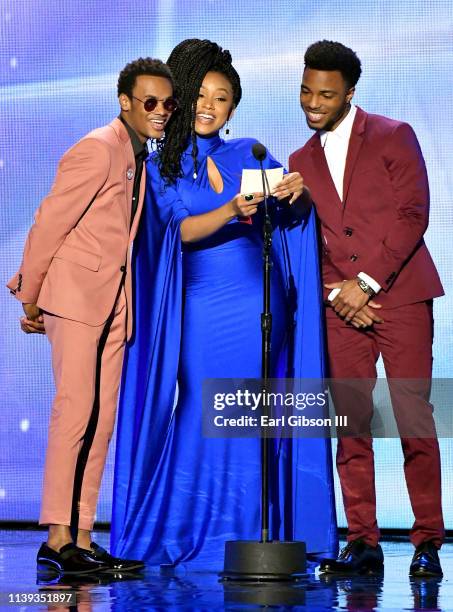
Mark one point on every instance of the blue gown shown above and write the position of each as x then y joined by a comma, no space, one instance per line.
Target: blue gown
177,495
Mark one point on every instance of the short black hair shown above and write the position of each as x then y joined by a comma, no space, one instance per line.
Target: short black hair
330,55
141,66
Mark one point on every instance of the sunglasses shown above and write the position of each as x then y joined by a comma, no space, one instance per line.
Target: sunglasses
170,104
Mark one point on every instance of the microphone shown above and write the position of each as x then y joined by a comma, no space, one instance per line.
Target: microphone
259,151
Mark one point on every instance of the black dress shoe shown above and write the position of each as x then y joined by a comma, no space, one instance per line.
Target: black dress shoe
425,561
70,560
357,557
113,564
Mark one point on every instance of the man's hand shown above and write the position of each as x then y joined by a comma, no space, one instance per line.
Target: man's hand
350,300
33,322
366,317
291,183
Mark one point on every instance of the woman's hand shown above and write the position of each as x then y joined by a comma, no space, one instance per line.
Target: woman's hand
292,183
245,205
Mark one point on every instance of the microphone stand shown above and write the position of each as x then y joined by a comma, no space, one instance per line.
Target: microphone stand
266,332
265,560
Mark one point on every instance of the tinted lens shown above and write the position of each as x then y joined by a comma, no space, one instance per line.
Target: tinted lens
150,104
170,104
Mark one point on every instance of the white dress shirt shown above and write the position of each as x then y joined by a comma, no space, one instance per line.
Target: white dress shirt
335,146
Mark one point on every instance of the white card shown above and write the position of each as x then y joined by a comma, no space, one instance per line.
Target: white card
253,183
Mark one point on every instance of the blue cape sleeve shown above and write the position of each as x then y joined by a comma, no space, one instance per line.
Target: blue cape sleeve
151,361
306,497
302,484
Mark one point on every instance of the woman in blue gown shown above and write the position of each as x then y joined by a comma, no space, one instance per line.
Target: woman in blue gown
178,496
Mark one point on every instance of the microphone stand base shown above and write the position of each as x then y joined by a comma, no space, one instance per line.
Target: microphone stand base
264,561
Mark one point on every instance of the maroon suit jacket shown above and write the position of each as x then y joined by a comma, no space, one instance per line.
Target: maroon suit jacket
378,228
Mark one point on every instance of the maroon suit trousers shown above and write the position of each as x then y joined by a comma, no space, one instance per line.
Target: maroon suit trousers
405,342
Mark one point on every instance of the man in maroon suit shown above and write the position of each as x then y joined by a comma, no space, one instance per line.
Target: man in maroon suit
366,176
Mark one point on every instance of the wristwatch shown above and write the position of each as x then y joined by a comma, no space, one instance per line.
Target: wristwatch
365,287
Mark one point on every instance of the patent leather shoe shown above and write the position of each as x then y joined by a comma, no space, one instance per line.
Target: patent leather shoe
425,561
113,564
69,560
356,557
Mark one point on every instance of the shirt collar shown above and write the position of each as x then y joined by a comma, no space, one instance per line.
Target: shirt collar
343,129
137,145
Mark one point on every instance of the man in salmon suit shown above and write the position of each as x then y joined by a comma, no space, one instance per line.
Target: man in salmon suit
366,176
75,285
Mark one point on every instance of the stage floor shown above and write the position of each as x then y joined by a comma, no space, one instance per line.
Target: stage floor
189,590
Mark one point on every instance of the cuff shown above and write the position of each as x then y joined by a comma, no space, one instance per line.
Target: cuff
375,286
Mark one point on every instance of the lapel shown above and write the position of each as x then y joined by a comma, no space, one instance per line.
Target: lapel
129,165
325,185
139,205
355,144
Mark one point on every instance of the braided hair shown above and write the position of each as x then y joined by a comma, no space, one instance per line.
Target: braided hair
189,62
